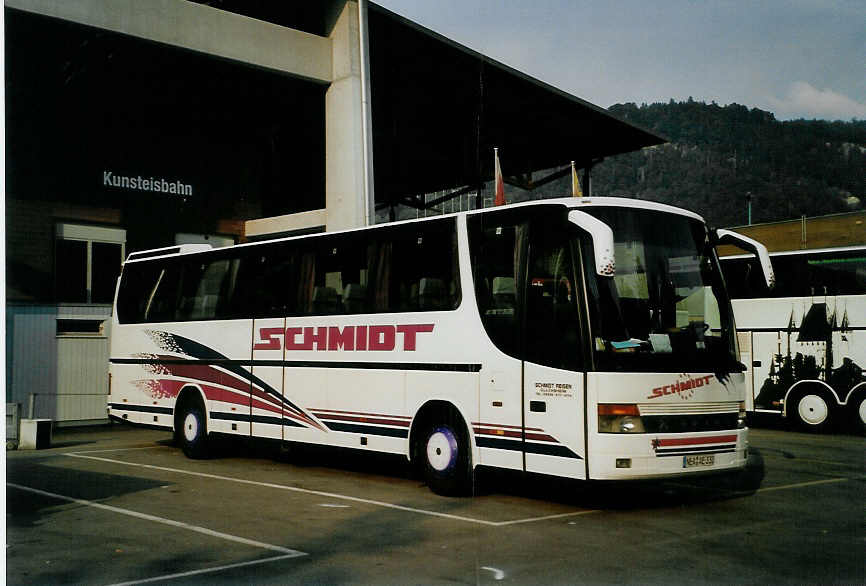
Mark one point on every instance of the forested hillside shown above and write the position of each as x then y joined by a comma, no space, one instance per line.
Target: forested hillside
715,157
719,154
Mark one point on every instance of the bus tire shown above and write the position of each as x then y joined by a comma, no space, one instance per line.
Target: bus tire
445,457
193,430
811,410
858,412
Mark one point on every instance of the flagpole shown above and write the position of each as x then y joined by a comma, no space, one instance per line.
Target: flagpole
575,182
499,184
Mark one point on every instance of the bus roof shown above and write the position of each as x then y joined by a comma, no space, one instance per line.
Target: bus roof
622,202
569,202
802,251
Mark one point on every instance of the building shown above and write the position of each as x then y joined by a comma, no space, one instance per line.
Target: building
134,125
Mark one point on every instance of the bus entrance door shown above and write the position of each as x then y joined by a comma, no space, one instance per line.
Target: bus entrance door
554,440
553,403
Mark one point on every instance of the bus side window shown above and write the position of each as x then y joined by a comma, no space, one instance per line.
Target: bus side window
265,283
137,289
379,264
161,299
355,298
736,272
552,329
336,282
850,275
744,279
415,268
497,242
840,273
203,289
792,278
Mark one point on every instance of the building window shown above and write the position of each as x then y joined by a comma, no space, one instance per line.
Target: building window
87,262
81,328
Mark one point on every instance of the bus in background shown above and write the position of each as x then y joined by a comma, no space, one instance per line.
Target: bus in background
581,338
804,340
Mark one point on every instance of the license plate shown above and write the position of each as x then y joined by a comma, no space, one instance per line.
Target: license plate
698,460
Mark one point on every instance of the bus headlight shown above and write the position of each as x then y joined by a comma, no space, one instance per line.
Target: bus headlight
741,416
619,418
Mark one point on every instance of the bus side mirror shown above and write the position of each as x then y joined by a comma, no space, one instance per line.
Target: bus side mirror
749,245
602,241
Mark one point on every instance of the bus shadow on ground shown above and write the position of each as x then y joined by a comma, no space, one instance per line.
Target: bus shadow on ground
841,425
626,494
309,456
629,494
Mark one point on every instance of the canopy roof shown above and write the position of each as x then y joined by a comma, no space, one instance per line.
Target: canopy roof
439,109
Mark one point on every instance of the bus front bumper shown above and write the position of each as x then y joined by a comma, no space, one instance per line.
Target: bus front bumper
621,456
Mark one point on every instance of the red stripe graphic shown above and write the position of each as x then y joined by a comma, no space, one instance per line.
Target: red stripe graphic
304,419
160,388
364,419
168,388
208,374
541,437
497,432
226,396
694,441
203,373
326,412
502,426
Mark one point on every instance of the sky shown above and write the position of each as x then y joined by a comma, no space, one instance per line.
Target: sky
795,58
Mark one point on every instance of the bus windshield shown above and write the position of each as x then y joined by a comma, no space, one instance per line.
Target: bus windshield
665,309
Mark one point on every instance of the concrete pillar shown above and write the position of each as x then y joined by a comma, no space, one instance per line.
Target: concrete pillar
344,142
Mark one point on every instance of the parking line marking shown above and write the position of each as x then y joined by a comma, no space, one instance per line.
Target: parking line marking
118,450
497,573
206,570
546,517
801,484
163,520
323,494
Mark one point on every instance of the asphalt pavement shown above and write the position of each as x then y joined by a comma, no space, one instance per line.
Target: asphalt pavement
119,505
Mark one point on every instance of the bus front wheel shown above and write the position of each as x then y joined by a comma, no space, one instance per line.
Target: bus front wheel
193,432
446,460
811,411
858,410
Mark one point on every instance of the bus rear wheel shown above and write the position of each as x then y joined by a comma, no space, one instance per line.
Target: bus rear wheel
858,411
193,431
811,411
447,465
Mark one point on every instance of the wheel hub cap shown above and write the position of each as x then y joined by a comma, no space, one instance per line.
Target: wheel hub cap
441,450
813,409
190,427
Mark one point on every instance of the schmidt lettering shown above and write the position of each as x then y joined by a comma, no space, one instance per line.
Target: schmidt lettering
349,338
683,388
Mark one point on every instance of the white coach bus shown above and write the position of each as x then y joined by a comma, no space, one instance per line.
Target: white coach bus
805,340
582,338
